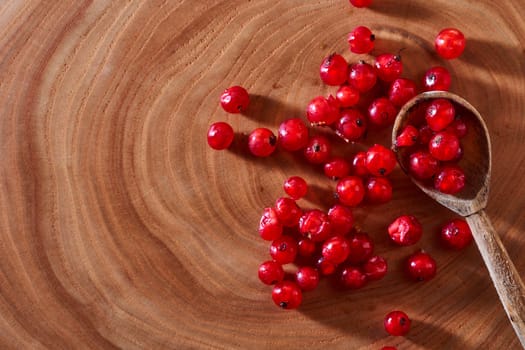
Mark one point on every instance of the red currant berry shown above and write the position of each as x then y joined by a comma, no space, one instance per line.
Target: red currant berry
422,165
318,150
334,70
380,161
359,165
288,212
315,224
351,126
322,111
306,247
361,3
421,266
271,272
450,43
388,67
458,127
397,323
375,268
336,249
220,135
362,76
235,99
326,267
307,278
262,142
361,248
347,96
408,137
456,234
296,187
270,228
350,190
425,134
293,134
341,219
361,40
439,114
287,295
401,91
352,277
337,168
405,230
437,78
444,146
284,250
450,179
378,190
382,112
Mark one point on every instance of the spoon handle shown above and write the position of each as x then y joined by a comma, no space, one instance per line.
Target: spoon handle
504,275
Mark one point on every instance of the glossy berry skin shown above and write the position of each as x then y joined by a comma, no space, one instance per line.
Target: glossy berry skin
458,127
306,247
361,40
361,248
421,267
382,112
450,179
293,134
439,114
315,224
359,165
437,78
351,126
271,272
361,3
380,161
362,76
425,134
318,150
347,96
262,142
336,249
288,212
397,323
334,70
378,190
450,43
287,295
352,277
408,136
456,234
325,267
270,228
337,168
341,219
405,230
375,268
296,187
444,146
388,67
235,99
220,135
307,278
322,111
350,191
284,250
401,91
422,165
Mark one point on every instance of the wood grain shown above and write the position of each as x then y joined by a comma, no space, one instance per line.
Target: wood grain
120,228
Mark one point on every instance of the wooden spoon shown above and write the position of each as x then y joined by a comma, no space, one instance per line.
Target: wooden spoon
472,200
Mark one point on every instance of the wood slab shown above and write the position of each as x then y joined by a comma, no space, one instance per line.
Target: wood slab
121,228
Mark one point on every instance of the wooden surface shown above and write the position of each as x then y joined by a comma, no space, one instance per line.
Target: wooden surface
120,228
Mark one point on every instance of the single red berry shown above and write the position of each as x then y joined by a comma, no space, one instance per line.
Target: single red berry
439,114
362,76
284,250
425,134
408,136
378,190
361,40
307,278
444,146
388,67
306,247
271,272
347,96
337,168
397,323
270,228
361,3
293,134
351,125
287,295
450,179
235,99
401,91
322,111
361,248
288,212
437,78
334,70
262,142
458,127
220,135
341,219
456,234
450,43
359,165
296,187
380,161
352,277
405,230
375,268
325,267
318,150
315,224
350,191
422,165
336,249
421,266
382,112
